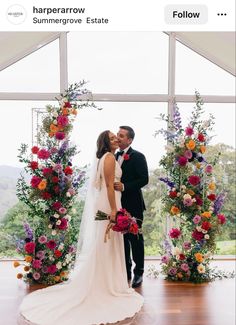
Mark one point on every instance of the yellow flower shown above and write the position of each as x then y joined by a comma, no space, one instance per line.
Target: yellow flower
198,165
42,185
19,276
202,149
16,264
191,145
190,192
206,214
199,257
212,186
174,210
28,258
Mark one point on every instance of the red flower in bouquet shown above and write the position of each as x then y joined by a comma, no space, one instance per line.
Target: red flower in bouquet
221,218
46,195
211,197
56,205
125,223
201,137
43,154
47,171
68,170
60,135
174,233
51,244
194,180
35,180
63,225
206,225
62,120
30,247
182,161
57,253
197,235
35,150
34,165
172,194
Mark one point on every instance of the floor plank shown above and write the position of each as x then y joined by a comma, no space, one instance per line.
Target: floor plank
166,303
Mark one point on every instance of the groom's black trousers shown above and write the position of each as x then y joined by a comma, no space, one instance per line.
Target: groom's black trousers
134,244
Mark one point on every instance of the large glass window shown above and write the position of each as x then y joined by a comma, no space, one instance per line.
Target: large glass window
119,62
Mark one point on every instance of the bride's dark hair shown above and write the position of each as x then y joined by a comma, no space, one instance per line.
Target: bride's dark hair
103,144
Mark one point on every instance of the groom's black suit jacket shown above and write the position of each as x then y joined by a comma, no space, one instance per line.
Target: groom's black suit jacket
134,177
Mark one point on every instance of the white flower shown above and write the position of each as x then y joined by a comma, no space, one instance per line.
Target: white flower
52,258
178,194
204,231
54,232
211,208
68,194
176,251
55,122
169,148
68,217
194,200
206,237
58,222
59,265
50,226
40,166
73,210
208,254
61,246
56,215
199,228
187,196
54,114
201,268
64,264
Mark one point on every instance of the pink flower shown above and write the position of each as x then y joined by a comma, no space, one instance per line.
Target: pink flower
186,245
174,233
60,135
47,171
182,161
221,218
30,247
62,120
36,275
53,150
57,168
63,225
35,180
62,210
43,154
188,202
40,255
51,244
165,259
184,267
37,264
42,239
197,219
208,169
188,154
52,269
194,180
189,131
197,235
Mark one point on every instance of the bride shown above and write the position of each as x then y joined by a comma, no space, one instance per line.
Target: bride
98,293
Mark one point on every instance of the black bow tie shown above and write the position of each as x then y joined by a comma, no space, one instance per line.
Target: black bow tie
120,153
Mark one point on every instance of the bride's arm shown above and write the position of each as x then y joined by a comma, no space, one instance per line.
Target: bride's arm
109,174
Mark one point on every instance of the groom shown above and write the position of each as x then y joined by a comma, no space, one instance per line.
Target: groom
134,177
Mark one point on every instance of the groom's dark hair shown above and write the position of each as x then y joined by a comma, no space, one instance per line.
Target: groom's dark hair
131,133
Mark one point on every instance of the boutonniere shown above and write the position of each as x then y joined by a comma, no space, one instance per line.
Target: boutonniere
126,156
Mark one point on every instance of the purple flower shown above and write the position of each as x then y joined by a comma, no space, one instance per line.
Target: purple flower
165,259
188,154
177,118
28,231
186,245
167,246
219,201
40,255
167,182
63,148
172,271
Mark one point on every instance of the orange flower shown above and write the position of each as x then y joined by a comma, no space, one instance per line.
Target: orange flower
199,257
65,111
53,128
179,275
63,274
16,264
191,145
51,134
74,112
19,276
206,214
42,185
57,278
212,186
190,192
28,258
202,149
174,210
198,165
26,268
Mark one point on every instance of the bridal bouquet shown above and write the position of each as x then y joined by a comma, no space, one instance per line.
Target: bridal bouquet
124,223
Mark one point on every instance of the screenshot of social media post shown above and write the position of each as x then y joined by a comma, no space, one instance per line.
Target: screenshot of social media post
117,164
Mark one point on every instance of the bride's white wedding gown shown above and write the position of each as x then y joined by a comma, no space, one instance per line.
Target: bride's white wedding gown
99,292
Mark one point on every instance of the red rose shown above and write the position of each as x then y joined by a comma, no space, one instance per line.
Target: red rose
51,244
221,218
211,197
52,269
67,105
57,253
182,161
43,154
34,165
35,180
198,200
174,233
126,156
197,235
55,179
56,205
133,229
68,170
201,137
56,189
34,149
60,135
30,247
47,171
194,180
172,194
63,225
206,225
182,257
46,195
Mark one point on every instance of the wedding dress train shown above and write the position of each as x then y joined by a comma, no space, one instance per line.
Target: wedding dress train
99,292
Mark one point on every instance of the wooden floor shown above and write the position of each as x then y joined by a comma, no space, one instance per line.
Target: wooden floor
165,303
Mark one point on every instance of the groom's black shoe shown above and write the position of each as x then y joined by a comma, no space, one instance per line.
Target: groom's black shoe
137,281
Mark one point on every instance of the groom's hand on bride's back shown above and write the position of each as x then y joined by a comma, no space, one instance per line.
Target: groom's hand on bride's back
118,186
